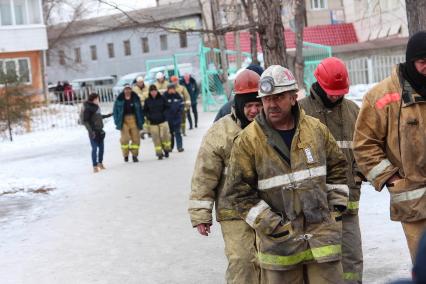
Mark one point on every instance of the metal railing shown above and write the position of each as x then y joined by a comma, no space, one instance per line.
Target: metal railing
60,110
373,69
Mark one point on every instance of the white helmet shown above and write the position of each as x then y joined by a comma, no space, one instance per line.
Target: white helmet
159,75
276,79
139,79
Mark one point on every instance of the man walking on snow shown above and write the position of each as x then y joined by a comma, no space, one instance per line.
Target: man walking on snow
287,180
208,183
390,140
327,103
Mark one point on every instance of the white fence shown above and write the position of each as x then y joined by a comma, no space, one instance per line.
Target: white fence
368,70
62,110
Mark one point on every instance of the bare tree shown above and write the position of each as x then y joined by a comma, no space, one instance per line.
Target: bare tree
271,32
249,7
416,15
300,22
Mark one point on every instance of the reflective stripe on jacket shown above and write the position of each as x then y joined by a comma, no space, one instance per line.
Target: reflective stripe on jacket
289,205
340,120
390,138
210,172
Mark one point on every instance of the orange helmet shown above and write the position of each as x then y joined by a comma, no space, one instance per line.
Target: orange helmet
174,79
332,76
246,82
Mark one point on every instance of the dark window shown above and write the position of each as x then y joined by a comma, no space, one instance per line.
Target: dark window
77,55
127,49
93,52
61,55
183,39
111,52
145,45
163,42
24,70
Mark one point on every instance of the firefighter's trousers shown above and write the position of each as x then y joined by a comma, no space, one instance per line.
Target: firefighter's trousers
312,273
352,260
160,134
183,123
240,249
413,232
130,137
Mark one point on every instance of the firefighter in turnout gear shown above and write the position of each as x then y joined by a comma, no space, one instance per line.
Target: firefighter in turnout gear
186,100
208,183
327,103
128,118
287,180
390,140
141,89
161,83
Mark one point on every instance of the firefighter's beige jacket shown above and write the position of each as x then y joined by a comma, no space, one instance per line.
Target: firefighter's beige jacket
390,137
209,173
290,205
340,120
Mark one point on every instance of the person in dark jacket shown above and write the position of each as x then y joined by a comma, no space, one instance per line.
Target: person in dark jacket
191,86
174,115
129,119
92,120
226,108
155,109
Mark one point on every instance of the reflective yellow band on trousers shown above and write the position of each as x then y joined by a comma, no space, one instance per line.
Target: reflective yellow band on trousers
306,255
125,147
134,146
354,276
352,205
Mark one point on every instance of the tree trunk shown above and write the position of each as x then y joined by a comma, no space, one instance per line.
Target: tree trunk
9,123
299,63
221,42
237,48
271,32
249,8
416,15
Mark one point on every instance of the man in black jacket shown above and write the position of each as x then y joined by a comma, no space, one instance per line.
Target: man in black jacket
92,120
155,109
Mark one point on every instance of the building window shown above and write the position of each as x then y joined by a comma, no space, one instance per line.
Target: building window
183,39
111,53
17,67
19,12
77,54
61,55
93,52
145,45
163,42
318,4
127,49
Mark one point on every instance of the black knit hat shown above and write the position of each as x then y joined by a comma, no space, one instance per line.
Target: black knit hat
416,47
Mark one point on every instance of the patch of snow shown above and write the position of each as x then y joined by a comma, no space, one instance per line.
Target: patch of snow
26,185
357,92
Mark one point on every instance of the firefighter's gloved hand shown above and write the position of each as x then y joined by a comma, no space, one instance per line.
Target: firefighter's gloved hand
204,229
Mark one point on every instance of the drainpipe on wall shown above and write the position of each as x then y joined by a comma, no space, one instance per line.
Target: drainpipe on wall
43,72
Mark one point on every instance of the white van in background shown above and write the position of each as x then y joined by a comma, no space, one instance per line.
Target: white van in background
169,70
126,79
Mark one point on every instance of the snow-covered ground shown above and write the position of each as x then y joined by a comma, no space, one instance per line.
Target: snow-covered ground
129,223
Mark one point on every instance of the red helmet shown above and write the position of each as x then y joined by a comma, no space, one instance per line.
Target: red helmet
332,76
246,82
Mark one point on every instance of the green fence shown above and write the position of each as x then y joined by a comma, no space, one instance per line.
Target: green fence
313,54
207,68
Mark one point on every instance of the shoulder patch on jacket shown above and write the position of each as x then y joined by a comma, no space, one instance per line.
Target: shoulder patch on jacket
387,99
